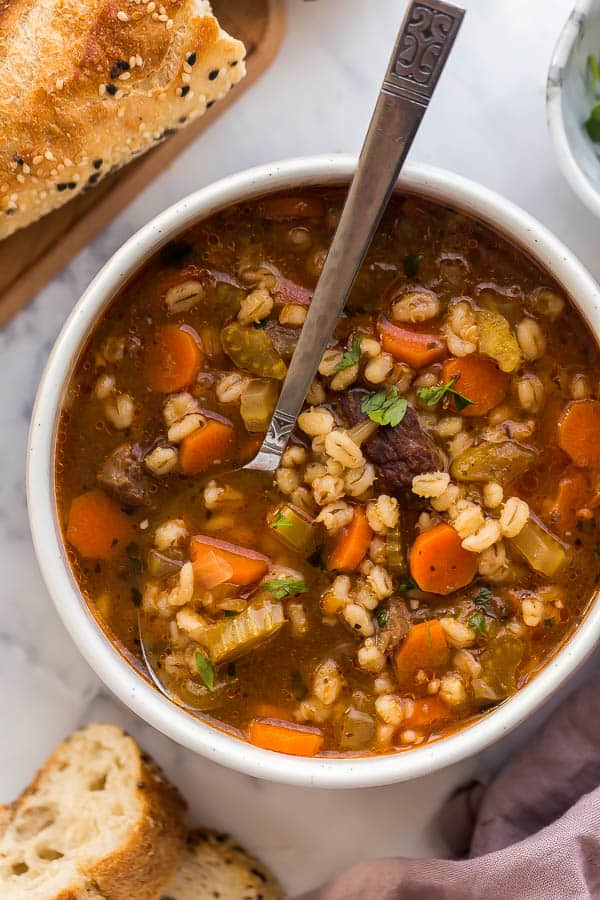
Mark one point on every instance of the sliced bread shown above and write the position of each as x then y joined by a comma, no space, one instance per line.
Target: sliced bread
99,821
214,867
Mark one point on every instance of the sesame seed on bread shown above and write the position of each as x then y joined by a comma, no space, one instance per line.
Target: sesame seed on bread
214,866
100,820
88,85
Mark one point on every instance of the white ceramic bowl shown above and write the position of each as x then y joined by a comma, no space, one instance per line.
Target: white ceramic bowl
569,99
132,689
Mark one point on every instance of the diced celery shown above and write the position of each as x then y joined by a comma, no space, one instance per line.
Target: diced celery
497,341
499,663
294,528
395,552
501,462
358,729
544,552
232,637
251,349
258,403
159,564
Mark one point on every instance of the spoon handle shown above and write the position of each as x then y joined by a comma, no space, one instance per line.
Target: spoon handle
422,48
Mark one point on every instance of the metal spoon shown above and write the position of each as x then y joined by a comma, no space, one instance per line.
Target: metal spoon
422,48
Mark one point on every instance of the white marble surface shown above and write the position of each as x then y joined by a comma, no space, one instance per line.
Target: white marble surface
487,122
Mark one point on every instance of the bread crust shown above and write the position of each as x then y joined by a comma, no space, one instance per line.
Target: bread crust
143,865
88,85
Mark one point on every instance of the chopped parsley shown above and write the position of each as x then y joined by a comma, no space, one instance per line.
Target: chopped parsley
381,614
351,355
431,396
285,587
206,670
385,407
409,585
483,595
230,614
477,622
298,686
411,264
279,520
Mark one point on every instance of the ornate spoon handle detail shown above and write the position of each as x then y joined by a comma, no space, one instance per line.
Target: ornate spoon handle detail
423,46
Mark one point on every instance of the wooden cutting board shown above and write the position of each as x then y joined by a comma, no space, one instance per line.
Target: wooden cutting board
32,256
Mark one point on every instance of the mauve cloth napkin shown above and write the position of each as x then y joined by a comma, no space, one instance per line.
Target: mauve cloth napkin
531,833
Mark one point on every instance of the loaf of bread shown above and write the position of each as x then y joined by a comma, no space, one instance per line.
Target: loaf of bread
99,821
213,865
87,85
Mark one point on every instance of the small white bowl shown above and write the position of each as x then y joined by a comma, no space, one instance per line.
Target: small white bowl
104,658
569,99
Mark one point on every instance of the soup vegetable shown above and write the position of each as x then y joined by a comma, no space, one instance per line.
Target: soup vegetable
431,536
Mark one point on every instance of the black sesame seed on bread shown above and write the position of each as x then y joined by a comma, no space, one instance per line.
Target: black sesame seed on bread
214,866
99,821
87,85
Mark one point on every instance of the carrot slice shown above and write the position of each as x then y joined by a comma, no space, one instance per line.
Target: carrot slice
278,208
213,569
428,711
572,493
206,446
415,348
424,647
97,526
297,740
579,432
438,563
172,358
352,545
479,379
246,566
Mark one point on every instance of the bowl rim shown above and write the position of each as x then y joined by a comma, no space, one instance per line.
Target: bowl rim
102,655
574,174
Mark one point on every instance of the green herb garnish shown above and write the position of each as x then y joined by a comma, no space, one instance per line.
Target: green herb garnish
351,355
409,585
431,396
206,670
483,595
136,597
285,587
477,622
411,264
385,407
280,521
382,614
298,686
592,124
230,614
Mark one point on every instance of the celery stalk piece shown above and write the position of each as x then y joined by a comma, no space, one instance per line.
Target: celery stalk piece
230,638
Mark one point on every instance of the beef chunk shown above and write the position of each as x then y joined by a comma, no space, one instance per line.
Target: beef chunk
398,453
284,339
396,625
123,475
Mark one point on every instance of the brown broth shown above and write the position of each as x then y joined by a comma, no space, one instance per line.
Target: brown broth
419,245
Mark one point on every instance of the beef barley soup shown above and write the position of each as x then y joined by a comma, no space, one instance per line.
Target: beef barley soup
431,537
